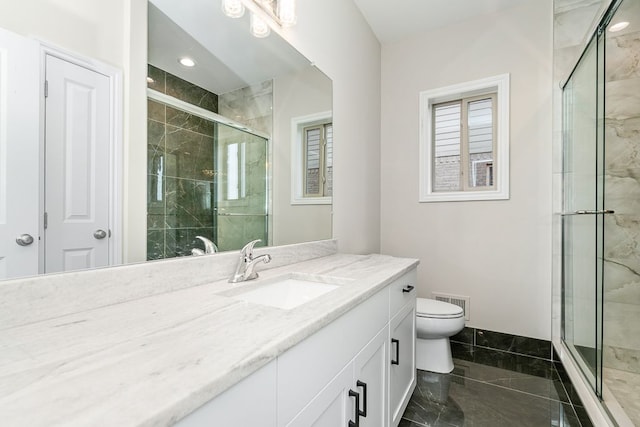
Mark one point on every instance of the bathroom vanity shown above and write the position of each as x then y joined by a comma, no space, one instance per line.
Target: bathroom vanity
202,354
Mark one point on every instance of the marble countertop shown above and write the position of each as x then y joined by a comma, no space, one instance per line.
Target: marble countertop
152,360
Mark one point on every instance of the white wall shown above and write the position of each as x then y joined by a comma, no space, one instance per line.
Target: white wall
93,28
496,252
295,95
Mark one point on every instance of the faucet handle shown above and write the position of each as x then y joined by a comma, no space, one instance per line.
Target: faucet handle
247,250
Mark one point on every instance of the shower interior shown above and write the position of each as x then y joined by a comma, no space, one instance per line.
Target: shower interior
206,174
601,214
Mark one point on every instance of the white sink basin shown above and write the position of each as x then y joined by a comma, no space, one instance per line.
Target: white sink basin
291,290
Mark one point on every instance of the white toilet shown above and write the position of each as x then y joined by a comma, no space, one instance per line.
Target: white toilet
436,321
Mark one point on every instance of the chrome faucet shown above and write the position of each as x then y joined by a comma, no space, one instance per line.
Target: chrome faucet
209,247
245,269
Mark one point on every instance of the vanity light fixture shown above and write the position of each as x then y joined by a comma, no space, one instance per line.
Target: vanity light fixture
233,8
259,28
287,12
618,27
187,62
279,12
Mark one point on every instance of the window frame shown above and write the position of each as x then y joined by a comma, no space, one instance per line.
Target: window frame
298,141
498,85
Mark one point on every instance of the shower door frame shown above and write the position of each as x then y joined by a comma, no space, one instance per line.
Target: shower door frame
597,41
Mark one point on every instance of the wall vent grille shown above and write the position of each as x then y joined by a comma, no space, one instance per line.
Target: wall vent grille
458,300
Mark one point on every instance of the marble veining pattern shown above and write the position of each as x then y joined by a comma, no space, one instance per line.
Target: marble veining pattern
493,388
180,167
622,191
158,357
625,387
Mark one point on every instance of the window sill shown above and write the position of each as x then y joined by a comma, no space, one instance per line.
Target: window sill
312,201
464,196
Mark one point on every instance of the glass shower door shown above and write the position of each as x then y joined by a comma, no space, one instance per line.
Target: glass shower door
583,213
241,204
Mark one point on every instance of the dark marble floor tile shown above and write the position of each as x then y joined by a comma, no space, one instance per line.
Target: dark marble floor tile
501,359
547,387
513,343
465,336
582,415
474,403
574,398
407,423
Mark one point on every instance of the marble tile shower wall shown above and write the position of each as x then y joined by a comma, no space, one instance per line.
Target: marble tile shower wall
180,181
622,194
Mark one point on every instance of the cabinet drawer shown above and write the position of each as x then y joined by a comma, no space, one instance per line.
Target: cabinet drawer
305,369
402,291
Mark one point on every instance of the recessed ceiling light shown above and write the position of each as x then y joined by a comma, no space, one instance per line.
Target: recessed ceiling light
187,62
618,27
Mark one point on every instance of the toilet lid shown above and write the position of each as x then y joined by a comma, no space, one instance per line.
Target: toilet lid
437,309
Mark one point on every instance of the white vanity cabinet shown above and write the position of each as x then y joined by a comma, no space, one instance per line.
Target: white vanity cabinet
402,352
402,365
361,384
342,375
251,402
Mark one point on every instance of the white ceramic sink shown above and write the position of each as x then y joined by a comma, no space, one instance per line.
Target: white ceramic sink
291,290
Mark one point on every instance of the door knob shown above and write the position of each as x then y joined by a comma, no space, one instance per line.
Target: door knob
24,239
99,234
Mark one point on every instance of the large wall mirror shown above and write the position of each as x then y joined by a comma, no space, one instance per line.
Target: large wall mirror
239,147
239,139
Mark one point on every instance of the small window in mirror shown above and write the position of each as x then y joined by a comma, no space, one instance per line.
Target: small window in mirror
312,159
317,160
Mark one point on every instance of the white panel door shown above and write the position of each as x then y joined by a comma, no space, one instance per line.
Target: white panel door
77,153
19,154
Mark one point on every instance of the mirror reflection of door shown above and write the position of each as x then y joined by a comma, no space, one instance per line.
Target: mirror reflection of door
77,167
56,193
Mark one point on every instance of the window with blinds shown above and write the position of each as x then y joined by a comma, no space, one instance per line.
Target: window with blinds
464,144
318,160
464,141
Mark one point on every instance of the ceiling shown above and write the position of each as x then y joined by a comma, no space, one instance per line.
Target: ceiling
397,19
228,57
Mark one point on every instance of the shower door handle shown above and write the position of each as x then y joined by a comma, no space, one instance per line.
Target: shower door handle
583,212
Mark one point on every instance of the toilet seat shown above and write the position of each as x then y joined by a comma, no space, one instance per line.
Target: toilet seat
430,308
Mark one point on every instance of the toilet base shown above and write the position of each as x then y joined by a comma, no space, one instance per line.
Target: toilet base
434,355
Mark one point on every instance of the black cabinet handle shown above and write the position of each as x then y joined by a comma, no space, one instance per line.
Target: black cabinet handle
397,343
407,288
357,411
364,398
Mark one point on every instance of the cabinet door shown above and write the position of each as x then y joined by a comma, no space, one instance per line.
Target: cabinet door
251,402
371,380
402,361
332,407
